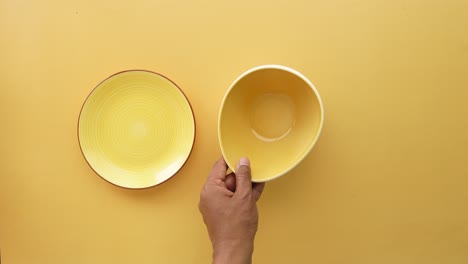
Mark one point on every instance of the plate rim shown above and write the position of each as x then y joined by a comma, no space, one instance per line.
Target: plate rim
191,111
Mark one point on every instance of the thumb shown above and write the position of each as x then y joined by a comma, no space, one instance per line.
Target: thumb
243,177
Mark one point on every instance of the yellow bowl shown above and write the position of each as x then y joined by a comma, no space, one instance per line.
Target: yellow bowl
136,129
273,115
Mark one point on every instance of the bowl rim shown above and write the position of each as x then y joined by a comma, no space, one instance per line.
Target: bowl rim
283,68
191,112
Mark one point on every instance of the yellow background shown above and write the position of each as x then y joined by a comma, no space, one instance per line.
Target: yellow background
386,183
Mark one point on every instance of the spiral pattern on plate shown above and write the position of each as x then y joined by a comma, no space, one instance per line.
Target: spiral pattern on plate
136,129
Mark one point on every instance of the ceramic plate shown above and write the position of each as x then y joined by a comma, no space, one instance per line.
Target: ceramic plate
136,129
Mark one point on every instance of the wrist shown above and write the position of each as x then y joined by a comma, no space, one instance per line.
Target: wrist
233,252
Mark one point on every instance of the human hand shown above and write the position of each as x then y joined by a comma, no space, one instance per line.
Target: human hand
229,209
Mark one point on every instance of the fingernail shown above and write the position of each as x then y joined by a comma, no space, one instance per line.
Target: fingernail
243,162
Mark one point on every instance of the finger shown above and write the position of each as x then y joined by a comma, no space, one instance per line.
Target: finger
243,177
231,182
219,171
257,189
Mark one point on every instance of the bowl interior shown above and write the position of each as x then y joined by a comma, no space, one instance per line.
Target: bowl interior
273,116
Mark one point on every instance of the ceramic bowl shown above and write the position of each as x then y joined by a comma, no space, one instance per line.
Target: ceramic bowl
273,115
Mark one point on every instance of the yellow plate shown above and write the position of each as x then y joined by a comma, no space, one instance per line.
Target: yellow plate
136,129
